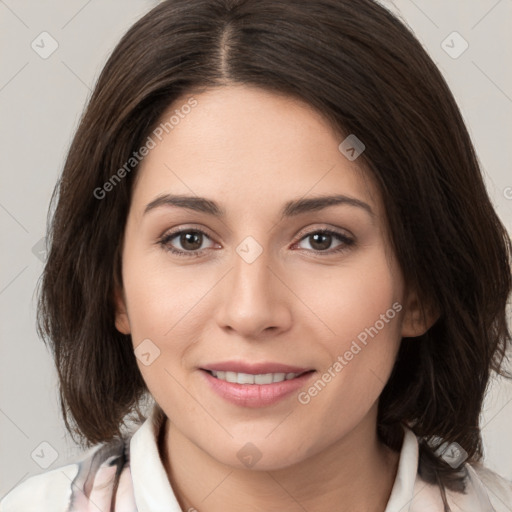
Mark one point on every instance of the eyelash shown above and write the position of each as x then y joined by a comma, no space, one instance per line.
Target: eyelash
346,242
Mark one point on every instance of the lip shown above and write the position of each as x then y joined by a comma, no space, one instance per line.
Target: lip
256,395
254,368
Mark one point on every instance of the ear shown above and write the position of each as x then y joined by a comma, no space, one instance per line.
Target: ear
122,320
416,322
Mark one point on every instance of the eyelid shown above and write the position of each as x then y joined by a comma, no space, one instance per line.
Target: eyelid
171,232
339,231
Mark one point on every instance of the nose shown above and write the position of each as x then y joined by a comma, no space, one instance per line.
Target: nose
254,300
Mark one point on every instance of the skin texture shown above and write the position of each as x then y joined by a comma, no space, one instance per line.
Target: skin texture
298,303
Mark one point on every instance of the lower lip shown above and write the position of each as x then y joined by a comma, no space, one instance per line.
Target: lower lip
255,395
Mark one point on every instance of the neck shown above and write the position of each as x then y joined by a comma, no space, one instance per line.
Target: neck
355,473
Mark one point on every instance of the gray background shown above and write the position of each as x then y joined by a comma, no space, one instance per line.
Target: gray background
41,100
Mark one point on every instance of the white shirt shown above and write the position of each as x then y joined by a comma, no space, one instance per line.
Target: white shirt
144,485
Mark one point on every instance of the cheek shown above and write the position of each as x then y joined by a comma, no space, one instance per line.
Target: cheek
163,319
168,307
361,306
160,298
352,296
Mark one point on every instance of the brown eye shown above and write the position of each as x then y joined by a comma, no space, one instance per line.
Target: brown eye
189,242
321,241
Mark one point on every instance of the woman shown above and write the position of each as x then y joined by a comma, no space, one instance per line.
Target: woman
272,224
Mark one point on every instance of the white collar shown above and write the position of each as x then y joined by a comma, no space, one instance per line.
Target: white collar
403,489
151,487
153,492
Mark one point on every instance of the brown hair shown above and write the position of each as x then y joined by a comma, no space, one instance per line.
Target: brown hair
359,66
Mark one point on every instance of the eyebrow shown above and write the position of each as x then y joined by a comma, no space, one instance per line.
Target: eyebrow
290,209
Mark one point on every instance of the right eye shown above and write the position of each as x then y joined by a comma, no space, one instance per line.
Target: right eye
189,239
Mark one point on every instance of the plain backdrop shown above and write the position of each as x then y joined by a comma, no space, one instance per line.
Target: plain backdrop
41,99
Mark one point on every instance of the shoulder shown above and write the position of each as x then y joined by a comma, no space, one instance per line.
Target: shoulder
67,487
498,489
44,492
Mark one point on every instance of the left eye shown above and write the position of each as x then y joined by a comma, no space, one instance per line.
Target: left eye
320,241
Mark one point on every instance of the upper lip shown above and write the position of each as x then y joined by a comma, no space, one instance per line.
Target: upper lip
253,368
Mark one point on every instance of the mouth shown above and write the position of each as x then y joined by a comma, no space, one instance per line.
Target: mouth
253,386
255,379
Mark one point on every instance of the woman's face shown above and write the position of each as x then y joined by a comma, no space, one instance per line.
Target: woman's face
255,282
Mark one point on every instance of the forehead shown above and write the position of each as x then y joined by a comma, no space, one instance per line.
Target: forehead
249,149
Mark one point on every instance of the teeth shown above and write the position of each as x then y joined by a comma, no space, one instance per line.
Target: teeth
247,378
